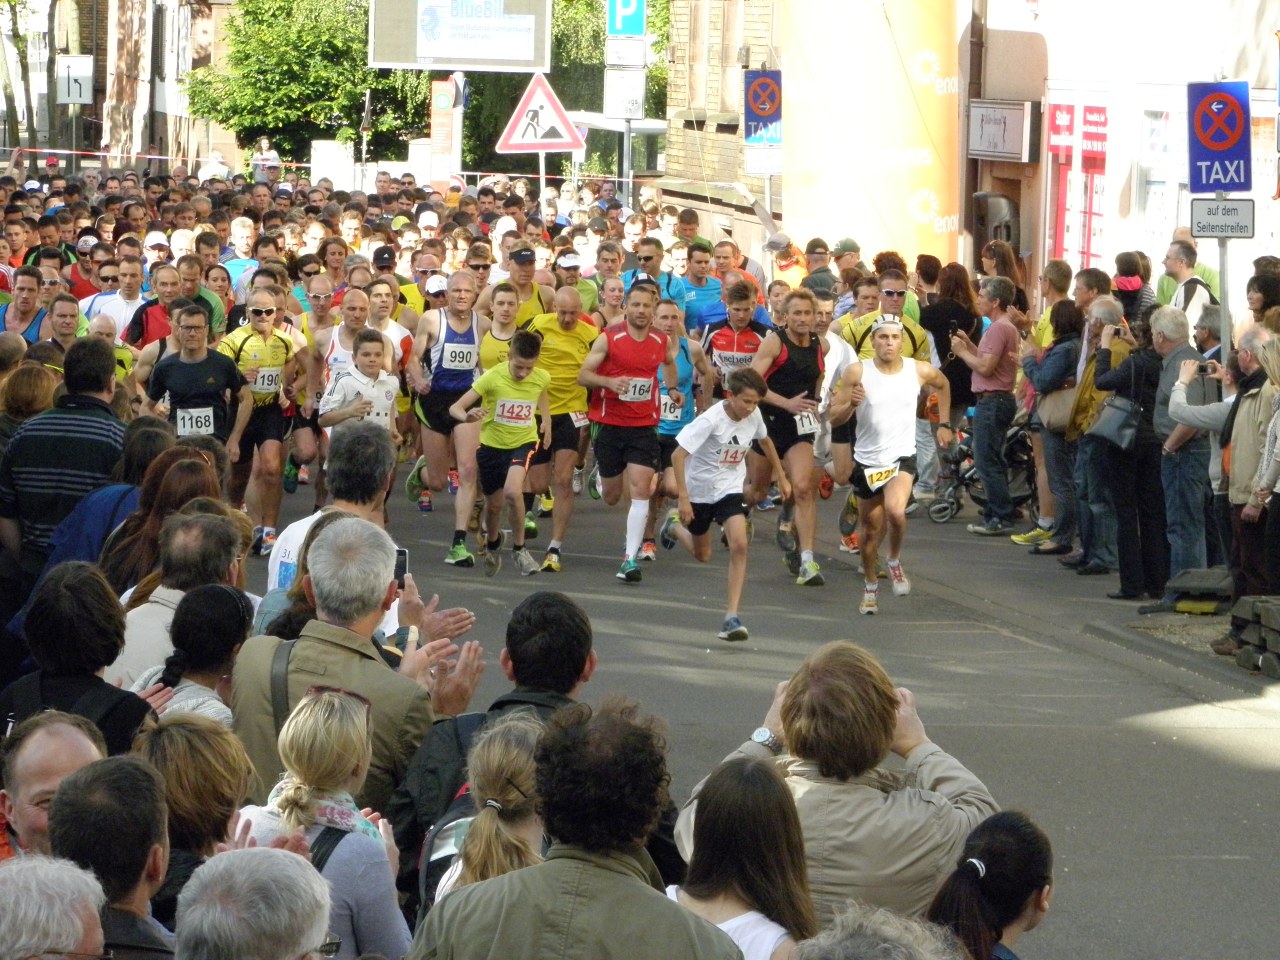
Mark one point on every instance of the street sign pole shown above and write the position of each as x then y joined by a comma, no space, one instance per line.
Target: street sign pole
542,173
1224,301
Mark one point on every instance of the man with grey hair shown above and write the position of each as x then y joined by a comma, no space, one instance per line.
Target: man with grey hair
351,584
1184,461
253,904
1207,332
866,933
49,907
994,362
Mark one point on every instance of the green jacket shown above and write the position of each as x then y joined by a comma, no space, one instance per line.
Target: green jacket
576,905
329,656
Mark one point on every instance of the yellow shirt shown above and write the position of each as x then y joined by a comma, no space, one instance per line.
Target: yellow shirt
413,298
1042,332
532,307
562,354
857,333
268,356
509,406
493,351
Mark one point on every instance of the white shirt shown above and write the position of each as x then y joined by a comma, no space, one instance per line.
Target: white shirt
839,355
752,932
717,447
886,429
91,305
1195,303
121,311
351,385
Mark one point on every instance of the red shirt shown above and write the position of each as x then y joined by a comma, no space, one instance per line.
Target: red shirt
638,361
149,324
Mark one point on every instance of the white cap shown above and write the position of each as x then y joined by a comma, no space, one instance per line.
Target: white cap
568,261
155,239
501,226
437,284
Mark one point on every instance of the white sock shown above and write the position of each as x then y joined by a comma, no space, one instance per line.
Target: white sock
1046,523
894,563
636,518
872,587
806,556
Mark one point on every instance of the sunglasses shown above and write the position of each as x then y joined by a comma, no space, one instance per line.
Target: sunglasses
479,266
312,273
427,271
262,311
319,296
50,283
893,293
646,259
109,278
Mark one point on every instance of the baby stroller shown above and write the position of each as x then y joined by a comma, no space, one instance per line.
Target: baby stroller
960,476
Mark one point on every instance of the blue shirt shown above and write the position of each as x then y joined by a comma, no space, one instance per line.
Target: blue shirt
700,303
670,286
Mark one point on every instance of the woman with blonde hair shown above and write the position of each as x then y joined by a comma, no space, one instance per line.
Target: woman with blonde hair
326,746
506,831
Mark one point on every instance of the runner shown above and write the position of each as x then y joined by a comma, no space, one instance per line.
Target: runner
535,298
710,468
671,418
496,344
791,362
266,358
365,390
734,341
197,384
150,322
446,361
567,338
884,392
623,368
509,393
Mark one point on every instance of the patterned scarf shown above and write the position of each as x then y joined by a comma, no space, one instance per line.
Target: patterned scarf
330,809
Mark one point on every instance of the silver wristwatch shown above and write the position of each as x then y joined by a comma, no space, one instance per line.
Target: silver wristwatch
764,736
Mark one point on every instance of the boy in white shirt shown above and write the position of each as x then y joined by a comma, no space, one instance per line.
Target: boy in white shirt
363,390
710,469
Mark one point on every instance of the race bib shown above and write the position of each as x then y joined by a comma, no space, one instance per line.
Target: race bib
268,380
194,421
579,419
668,410
877,477
732,454
638,391
806,424
514,413
460,356
730,361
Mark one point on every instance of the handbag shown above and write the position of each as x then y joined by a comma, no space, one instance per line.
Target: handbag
1054,409
1117,421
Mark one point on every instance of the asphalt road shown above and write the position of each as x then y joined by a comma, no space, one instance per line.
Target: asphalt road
1151,779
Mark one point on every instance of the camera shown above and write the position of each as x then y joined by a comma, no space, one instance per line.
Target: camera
1202,368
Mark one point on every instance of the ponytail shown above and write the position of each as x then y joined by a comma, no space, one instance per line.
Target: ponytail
174,668
296,804
960,905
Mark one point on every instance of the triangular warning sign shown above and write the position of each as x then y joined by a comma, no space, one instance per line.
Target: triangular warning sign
539,124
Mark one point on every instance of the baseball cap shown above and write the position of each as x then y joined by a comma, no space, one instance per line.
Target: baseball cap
523,256
598,225
85,244
777,243
271,163
51,161
845,246
816,245
384,256
568,260
437,284
31,185
155,239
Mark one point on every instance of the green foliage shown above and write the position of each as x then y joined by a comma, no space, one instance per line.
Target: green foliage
296,72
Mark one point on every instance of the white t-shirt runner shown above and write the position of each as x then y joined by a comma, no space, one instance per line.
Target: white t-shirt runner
717,446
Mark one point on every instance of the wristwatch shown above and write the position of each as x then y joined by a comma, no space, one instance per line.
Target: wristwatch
764,736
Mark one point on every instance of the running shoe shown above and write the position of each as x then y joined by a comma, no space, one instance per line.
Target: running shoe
992,528
648,551
791,560
492,560
810,575
912,505
424,501
460,556
901,585
629,572
289,479
453,482
849,543
775,494
766,504
732,629
785,536
593,482
870,601
530,526
525,562
1036,534
546,505
826,486
255,546
304,474
849,515
413,485
551,562
666,533
268,541
473,522
579,477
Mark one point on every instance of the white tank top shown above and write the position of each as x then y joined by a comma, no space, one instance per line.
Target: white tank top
887,417
337,358
752,932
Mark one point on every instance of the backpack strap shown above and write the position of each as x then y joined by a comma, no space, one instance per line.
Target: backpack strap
26,697
324,846
96,703
280,687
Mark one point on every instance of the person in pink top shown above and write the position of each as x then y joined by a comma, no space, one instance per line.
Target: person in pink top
994,362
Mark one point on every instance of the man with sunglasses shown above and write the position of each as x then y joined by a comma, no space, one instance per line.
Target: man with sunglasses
107,276
425,266
84,272
535,298
649,255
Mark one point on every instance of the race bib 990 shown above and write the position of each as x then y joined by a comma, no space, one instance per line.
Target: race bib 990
460,356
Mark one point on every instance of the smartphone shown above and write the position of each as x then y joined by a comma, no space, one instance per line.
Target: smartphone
955,328
402,566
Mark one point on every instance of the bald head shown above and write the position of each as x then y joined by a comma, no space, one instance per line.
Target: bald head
12,349
103,327
568,304
1183,234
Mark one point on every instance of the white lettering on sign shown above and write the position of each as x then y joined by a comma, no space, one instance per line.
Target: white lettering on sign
766,132
1225,172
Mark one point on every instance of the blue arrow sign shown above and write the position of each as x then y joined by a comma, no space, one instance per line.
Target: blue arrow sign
1219,137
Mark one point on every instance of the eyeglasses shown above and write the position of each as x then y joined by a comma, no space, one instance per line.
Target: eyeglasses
893,293
479,266
188,328
319,296
262,311
330,947
109,278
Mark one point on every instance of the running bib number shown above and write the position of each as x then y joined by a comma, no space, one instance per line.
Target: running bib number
579,419
460,356
669,410
731,361
806,423
877,477
514,413
732,454
194,421
638,391
268,380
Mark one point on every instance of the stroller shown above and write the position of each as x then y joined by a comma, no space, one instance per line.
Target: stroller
960,476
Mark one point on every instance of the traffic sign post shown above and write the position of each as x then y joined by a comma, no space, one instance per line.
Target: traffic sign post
762,126
540,125
75,80
625,18
1222,219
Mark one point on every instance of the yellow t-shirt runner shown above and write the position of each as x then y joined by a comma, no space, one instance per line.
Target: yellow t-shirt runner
269,356
563,352
493,351
509,405
857,333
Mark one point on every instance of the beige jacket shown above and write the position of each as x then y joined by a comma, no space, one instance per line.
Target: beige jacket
1248,434
887,839
330,656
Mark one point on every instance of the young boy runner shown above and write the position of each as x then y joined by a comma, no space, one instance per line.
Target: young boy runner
710,468
509,395
364,390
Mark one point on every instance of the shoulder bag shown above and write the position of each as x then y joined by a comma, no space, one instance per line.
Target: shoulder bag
1117,421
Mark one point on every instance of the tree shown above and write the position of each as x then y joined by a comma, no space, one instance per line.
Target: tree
18,13
296,71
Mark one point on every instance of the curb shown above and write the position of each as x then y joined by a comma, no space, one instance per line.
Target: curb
1218,669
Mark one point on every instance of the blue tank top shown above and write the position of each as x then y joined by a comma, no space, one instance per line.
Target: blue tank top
455,356
32,333
672,418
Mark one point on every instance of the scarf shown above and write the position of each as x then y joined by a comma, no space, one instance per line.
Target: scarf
330,809
1251,382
